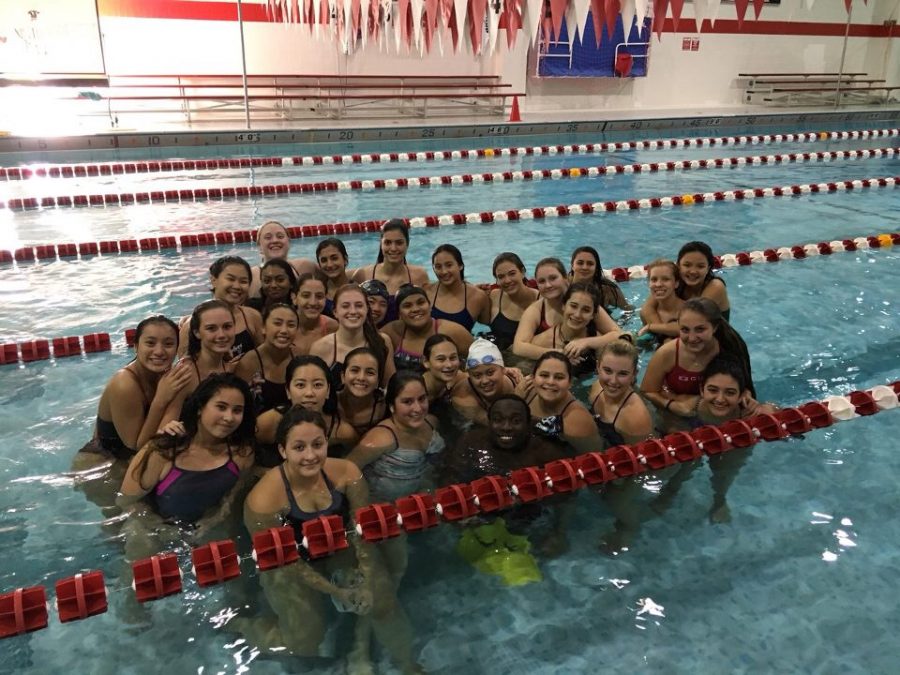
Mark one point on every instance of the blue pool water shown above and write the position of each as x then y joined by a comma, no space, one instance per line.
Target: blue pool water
800,581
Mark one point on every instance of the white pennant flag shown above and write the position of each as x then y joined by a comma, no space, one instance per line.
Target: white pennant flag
640,11
460,8
531,18
417,7
494,9
580,8
628,17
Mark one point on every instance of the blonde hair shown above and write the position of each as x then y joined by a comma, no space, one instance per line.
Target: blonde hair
619,348
664,262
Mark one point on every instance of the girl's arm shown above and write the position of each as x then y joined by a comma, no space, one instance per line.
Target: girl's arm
389,367
662,361
580,430
373,445
479,304
715,290
140,485
635,423
524,343
418,275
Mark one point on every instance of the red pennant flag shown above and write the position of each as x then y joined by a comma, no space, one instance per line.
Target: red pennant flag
612,13
677,7
512,10
740,6
477,9
757,6
598,18
659,16
557,14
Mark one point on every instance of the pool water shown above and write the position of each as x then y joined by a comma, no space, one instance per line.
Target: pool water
800,581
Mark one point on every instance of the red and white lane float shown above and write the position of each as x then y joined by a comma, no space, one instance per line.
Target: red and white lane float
33,253
211,194
37,350
188,165
24,610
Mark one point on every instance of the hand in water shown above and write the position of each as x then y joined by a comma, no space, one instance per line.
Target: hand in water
357,599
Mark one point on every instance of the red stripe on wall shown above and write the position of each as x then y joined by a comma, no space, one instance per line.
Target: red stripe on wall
227,11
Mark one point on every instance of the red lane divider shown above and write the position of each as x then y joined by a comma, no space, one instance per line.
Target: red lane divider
168,166
33,350
83,595
205,194
154,245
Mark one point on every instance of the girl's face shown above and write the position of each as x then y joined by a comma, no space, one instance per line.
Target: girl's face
232,285
583,267
578,311
332,262
722,394
415,311
487,379
310,299
616,374
308,387
661,280
223,413
393,245
216,331
411,405
273,242
443,362
446,269
281,327
276,283
305,449
361,375
551,283
693,268
156,348
551,380
351,309
378,308
508,276
695,331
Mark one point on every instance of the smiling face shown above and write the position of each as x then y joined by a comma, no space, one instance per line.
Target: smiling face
722,394
443,362
693,268
273,241
308,387
378,308
616,374
360,375
305,449
662,282
351,309
216,331
415,311
508,424
551,380
156,347
310,299
332,262
411,405
583,267
695,331
578,311
446,269
223,413
393,246
509,277
276,284
281,327
487,379
551,282
232,285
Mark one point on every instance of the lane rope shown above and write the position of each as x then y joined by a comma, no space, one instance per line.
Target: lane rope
283,189
167,166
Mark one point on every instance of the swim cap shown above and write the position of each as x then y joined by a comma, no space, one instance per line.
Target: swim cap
483,352
375,287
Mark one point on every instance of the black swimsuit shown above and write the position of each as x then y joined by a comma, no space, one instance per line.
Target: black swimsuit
297,516
608,429
243,341
463,317
551,427
108,437
503,328
268,394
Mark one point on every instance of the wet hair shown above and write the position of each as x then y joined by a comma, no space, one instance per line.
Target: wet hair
286,267
330,403
396,384
225,261
457,256
193,346
266,224
298,415
620,348
333,242
268,309
553,354
726,365
434,341
551,262
409,290
609,290
365,351
395,224
373,338
703,249
510,257
665,262
157,320
581,287
170,446
516,399
315,275
731,344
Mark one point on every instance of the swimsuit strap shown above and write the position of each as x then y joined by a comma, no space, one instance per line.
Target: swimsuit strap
500,302
543,312
393,433
402,337
262,366
408,273
484,404
630,394
197,368
335,423
140,386
555,329
374,267
334,358
292,501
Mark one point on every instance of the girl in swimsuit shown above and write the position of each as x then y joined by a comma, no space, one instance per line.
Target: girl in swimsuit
189,469
486,380
307,485
275,243
659,314
309,386
331,255
415,326
510,300
379,300
556,413
360,401
442,373
391,266
576,334
351,309
672,379
695,267
278,285
586,269
263,368
310,301
619,412
471,302
230,279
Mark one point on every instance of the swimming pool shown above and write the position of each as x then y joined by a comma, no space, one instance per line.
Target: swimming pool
801,580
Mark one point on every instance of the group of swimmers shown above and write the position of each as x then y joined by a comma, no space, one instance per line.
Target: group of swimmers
335,388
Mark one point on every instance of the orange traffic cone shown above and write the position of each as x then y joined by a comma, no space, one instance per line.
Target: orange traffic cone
514,115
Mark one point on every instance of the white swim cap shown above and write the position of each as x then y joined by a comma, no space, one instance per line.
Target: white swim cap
482,352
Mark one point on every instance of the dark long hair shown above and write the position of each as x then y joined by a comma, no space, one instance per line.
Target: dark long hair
220,264
457,256
730,342
703,249
298,415
510,257
397,382
393,224
553,354
608,289
286,267
169,446
193,347
334,242
158,319
359,351
330,404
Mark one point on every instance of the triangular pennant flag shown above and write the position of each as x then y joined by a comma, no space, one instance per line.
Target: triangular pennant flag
458,26
677,7
757,7
847,4
740,6
557,14
612,15
477,9
640,11
416,7
513,15
628,18
493,14
571,23
532,17
659,16
581,9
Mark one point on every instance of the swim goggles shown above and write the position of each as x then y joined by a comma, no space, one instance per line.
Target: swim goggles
375,287
483,361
